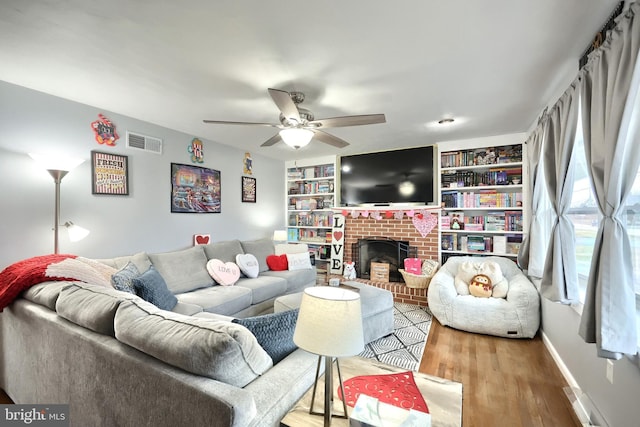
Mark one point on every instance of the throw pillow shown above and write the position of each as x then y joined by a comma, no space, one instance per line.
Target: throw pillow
225,273
150,286
277,262
300,261
123,279
480,286
274,332
248,265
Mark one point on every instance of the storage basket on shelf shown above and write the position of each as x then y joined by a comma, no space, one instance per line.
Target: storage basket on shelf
429,268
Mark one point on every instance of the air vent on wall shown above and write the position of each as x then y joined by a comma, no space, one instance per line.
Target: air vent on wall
143,142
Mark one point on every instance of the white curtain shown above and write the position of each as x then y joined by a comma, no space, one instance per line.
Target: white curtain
611,119
560,276
536,239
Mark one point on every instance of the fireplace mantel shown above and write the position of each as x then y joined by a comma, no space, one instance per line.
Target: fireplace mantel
403,229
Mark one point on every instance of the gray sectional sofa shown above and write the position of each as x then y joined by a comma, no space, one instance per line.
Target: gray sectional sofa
118,360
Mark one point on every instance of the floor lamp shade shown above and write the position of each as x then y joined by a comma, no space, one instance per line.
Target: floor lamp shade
330,322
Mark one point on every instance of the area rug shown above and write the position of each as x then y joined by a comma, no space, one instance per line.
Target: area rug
404,347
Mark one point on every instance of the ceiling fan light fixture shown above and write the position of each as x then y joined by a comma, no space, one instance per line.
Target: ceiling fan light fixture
296,137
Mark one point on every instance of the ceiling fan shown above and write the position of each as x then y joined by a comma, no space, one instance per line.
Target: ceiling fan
298,125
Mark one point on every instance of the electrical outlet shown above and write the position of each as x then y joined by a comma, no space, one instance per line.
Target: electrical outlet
610,370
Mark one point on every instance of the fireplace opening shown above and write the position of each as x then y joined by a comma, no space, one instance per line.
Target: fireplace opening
384,250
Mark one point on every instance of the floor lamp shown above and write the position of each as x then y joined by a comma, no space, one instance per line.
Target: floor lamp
58,167
329,325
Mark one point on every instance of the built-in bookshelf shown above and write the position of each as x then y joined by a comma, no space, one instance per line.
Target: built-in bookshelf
481,195
311,195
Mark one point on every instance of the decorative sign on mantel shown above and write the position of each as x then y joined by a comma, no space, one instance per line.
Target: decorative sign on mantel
337,244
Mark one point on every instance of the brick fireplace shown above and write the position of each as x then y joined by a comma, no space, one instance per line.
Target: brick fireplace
397,229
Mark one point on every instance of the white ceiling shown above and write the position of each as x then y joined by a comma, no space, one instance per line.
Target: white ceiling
493,65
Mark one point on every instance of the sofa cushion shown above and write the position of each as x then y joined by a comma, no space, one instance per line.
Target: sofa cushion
183,271
140,260
224,273
224,251
45,294
297,280
91,306
264,287
226,300
151,287
261,248
123,279
248,265
219,350
274,332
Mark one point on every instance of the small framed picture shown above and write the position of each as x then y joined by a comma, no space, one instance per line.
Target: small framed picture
248,189
109,174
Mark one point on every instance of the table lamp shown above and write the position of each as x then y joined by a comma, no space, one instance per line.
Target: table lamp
329,325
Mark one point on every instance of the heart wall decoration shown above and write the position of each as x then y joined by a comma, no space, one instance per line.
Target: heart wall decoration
201,239
425,223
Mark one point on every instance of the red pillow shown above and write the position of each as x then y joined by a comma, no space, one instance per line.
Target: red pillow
277,262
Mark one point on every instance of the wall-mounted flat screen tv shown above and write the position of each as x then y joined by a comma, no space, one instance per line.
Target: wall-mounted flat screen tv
388,178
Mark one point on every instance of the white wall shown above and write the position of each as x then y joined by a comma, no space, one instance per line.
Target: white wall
617,402
31,121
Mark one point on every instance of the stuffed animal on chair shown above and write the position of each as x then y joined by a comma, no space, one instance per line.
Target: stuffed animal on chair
349,272
481,286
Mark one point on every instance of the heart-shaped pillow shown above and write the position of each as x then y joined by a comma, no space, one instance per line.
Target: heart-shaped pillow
248,265
225,273
277,262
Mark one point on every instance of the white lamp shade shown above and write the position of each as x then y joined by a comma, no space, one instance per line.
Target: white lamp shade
330,322
76,233
56,161
296,137
280,235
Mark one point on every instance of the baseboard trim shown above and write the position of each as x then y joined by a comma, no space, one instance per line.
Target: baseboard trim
566,373
582,405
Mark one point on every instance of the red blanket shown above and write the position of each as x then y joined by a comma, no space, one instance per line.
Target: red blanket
26,273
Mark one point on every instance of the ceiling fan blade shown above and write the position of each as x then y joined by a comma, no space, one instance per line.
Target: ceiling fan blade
330,139
285,104
334,122
271,141
223,122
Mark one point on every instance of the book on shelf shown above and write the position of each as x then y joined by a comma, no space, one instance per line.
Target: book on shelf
476,243
495,221
482,156
513,244
445,221
513,221
500,244
447,242
292,235
309,172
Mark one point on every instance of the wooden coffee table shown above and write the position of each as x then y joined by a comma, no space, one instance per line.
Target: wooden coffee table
443,397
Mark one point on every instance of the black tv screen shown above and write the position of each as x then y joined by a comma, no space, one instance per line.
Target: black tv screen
387,177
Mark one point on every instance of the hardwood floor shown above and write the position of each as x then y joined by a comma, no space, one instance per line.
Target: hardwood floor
505,382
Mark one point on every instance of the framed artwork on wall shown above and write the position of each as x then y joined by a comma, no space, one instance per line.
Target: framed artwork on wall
109,174
195,189
248,189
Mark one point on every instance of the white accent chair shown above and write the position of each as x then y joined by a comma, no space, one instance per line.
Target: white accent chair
516,316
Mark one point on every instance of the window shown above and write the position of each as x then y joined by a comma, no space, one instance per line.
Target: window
583,212
585,216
